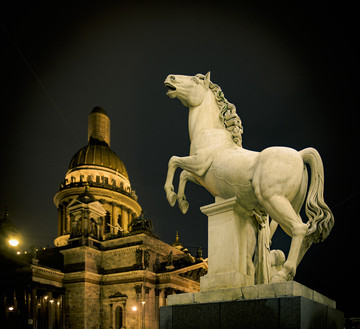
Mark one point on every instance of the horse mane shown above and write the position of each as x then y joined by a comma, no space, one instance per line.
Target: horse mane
228,115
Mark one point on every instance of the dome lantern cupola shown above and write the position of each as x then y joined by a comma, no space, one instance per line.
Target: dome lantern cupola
99,126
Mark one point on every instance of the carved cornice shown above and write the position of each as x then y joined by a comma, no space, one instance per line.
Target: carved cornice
123,250
100,193
35,269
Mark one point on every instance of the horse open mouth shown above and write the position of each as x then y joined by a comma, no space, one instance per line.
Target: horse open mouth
170,87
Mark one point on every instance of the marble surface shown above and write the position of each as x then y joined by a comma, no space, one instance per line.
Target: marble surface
271,290
271,183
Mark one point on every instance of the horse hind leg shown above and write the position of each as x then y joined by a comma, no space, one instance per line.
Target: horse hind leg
280,209
297,204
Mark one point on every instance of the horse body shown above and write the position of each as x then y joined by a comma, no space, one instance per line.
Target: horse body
273,181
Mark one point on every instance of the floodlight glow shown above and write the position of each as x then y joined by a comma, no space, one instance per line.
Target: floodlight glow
11,308
134,308
13,242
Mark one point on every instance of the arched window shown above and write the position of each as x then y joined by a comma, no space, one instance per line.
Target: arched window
119,317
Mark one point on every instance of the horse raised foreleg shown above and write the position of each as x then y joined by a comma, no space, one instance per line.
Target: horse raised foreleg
169,187
184,177
193,164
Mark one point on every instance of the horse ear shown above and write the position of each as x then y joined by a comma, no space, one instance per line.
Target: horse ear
207,80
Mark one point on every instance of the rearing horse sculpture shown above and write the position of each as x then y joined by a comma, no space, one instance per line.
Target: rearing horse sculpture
273,181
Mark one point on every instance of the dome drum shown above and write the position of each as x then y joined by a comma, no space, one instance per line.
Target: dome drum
98,177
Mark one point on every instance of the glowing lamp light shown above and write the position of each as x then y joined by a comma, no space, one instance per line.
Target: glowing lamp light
134,308
143,302
11,308
13,242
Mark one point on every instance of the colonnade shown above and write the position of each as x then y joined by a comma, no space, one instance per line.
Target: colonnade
119,220
35,307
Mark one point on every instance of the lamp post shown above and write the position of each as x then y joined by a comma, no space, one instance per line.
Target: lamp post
9,233
13,242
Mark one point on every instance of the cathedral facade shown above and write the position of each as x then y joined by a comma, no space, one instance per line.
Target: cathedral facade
107,270
117,273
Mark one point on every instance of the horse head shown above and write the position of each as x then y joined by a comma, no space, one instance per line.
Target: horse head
190,90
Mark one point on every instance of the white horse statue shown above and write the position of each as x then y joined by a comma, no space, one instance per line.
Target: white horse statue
272,182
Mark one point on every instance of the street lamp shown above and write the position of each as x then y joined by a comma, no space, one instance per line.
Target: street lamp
13,242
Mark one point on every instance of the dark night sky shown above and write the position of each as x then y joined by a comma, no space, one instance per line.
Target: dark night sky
290,69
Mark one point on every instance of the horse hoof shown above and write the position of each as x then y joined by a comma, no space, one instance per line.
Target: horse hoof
277,278
171,197
280,276
184,206
285,274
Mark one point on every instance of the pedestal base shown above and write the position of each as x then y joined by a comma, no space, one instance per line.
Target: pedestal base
270,290
276,305
271,313
232,241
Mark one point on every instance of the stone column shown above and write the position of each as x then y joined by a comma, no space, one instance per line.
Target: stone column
82,223
229,233
115,216
67,221
125,220
102,228
60,221
119,216
112,220
131,217
162,298
34,307
64,220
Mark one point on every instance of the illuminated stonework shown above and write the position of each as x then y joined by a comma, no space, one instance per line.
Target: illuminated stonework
108,270
97,169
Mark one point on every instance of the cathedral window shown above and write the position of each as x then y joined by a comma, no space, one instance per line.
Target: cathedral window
119,317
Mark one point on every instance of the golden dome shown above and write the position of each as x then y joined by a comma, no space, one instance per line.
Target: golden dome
97,153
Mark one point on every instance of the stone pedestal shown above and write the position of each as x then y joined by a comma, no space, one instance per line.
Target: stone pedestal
281,305
229,231
294,312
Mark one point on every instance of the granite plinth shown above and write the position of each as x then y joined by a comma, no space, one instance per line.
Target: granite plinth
294,312
271,290
280,305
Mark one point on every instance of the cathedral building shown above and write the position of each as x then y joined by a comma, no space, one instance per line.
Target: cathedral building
108,269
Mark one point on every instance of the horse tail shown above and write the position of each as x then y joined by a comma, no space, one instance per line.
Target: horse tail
321,219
